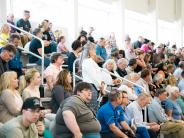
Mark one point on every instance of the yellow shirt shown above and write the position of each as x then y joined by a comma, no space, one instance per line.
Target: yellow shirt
3,38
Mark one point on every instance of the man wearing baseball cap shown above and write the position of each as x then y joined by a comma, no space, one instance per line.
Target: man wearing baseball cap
23,126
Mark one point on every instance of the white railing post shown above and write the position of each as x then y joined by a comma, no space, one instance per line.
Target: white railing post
74,73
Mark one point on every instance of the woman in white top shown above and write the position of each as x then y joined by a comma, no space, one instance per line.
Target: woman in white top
110,65
29,84
128,87
10,99
91,72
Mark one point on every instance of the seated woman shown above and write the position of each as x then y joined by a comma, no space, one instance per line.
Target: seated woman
4,35
158,80
61,47
10,99
62,89
110,66
129,87
157,83
77,48
29,84
92,73
140,60
172,108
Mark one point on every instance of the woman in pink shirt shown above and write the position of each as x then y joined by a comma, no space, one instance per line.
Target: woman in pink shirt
61,47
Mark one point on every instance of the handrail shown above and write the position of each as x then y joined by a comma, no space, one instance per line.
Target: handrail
104,70
23,49
42,43
100,98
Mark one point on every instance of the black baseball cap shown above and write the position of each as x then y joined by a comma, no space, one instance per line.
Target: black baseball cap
32,103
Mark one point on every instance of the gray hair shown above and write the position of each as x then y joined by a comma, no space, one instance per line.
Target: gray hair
85,52
122,60
108,61
172,89
130,77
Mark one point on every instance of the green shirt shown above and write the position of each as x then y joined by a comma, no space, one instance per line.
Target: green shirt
180,101
15,129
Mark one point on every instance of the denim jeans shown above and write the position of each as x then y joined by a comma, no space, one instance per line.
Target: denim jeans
92,135
51,48
142,132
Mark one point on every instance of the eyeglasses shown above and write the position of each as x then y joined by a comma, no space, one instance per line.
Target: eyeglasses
11,55
125,97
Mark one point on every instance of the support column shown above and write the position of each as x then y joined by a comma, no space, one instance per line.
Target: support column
121,34
178,22
76,18
156,17
3,11
181,23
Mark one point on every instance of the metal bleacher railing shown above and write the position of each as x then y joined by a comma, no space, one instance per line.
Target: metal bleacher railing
121,78
40,57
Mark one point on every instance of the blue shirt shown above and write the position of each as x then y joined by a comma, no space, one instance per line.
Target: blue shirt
16,63
108,115
126,116
137,89
101,51
176,110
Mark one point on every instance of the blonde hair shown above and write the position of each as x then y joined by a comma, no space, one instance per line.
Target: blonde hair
6,79
4,27
138,51
171,80
25,80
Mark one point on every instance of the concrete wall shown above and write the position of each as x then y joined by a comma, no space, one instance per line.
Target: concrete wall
2,11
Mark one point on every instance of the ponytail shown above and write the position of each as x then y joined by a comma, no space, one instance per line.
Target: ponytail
22,84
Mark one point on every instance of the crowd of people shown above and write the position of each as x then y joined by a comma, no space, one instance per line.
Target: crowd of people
109,102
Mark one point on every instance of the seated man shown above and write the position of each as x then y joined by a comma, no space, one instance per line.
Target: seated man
111,118
134,110
74,118
36,48
7,53
16,64
52,71
157,114
23,126
141,132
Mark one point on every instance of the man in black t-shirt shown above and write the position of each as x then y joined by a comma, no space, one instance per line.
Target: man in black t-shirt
26,26
50,45
24,22
36,47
